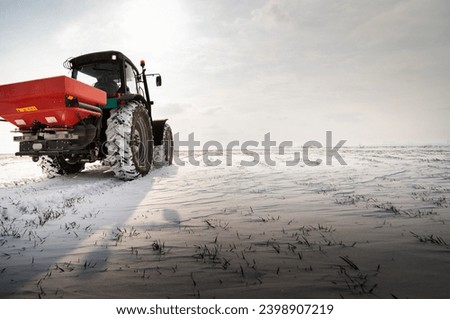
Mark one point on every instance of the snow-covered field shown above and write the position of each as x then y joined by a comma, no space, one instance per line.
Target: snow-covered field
375,228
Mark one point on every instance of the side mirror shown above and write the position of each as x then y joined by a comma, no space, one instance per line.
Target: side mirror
158,80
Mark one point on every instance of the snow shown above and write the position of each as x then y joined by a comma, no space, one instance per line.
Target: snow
375,228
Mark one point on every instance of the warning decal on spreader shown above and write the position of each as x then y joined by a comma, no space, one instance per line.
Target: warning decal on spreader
31,108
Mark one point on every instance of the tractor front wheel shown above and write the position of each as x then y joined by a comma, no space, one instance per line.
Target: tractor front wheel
163,154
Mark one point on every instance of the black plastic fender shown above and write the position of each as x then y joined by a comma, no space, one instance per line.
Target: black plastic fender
158,131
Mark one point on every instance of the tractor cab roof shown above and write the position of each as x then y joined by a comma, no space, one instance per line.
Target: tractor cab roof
96,57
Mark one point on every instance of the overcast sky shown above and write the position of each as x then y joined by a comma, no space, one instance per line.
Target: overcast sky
373,72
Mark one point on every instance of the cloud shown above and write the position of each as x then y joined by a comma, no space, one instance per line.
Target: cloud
271,16
315,58
176,108
245,67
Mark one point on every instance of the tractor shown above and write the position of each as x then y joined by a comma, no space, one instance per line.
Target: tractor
102,112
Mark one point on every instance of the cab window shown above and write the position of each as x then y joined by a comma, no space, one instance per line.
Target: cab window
130,78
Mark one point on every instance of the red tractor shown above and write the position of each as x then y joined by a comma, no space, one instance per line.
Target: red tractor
103,112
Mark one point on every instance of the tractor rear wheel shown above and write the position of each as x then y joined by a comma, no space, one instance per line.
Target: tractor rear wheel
53,166
129,141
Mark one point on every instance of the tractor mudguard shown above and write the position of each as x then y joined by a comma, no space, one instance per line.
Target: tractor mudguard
158,131
132,97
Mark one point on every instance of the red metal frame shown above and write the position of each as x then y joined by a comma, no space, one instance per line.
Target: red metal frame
44,100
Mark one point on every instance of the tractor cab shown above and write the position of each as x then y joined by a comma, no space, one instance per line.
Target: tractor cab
114,73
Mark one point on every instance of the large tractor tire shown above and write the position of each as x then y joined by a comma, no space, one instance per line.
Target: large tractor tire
54,166
163,154
129,138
